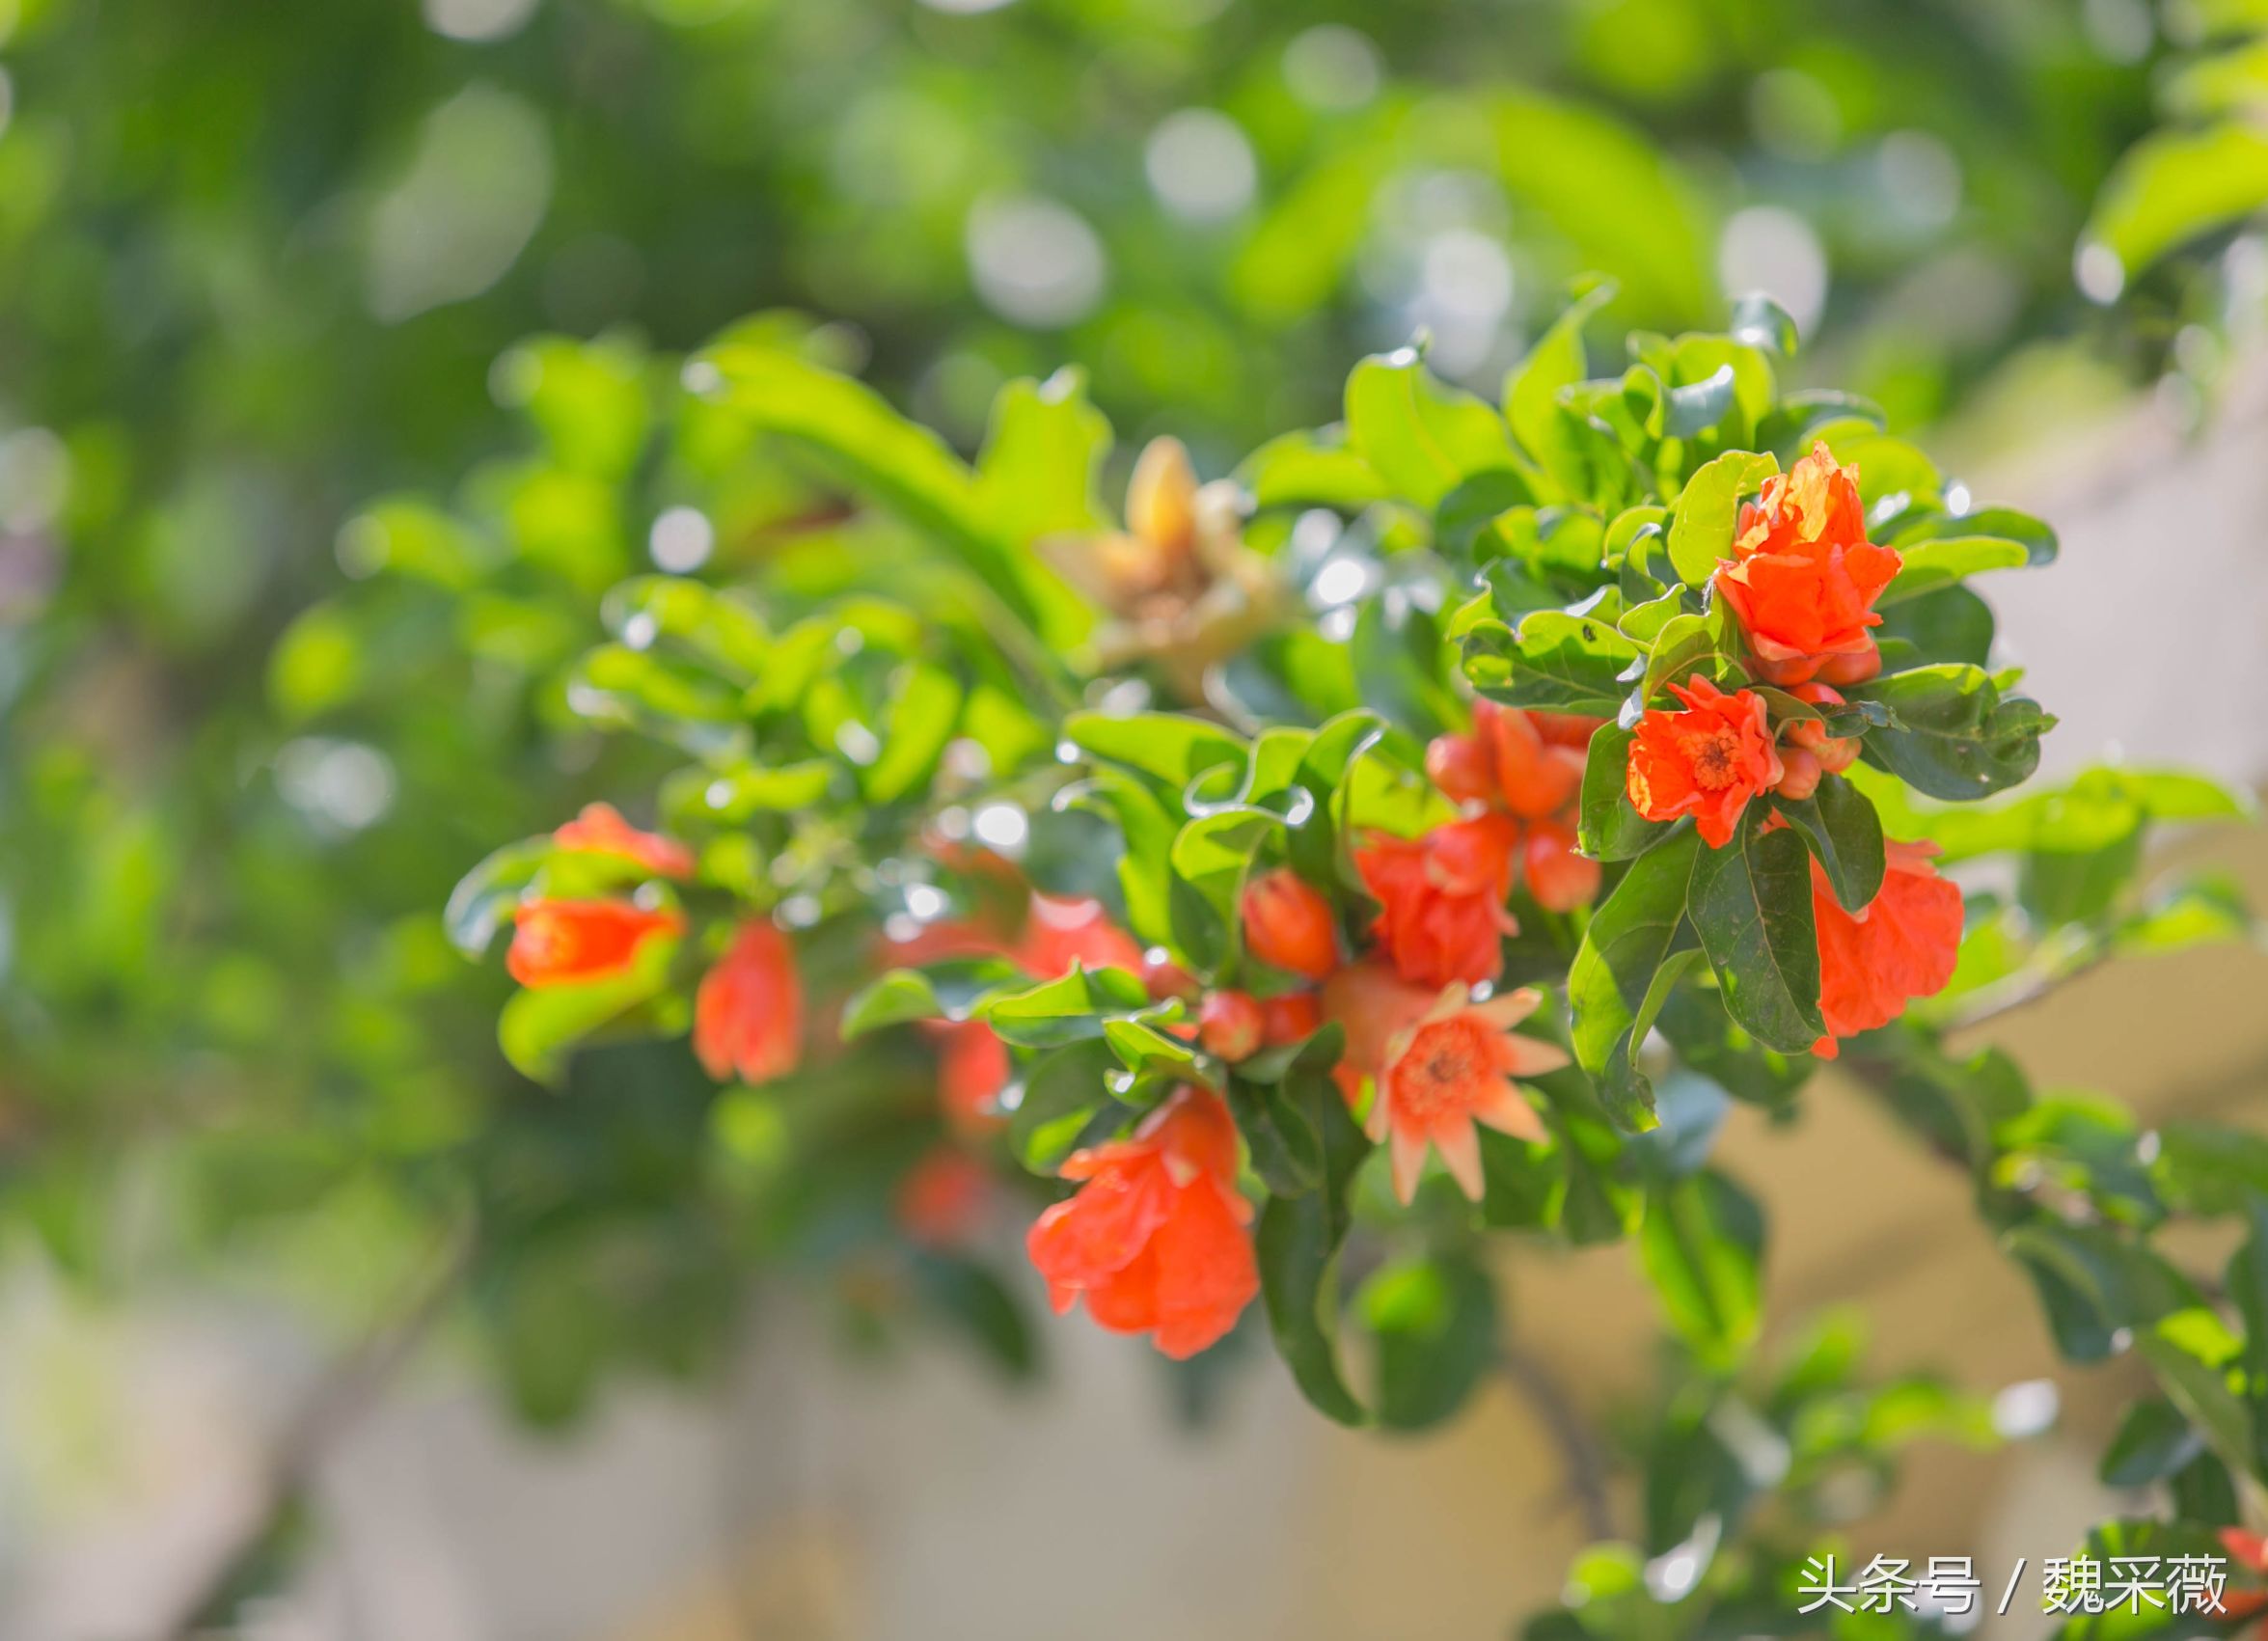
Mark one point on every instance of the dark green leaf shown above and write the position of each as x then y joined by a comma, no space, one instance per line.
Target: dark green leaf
1751,904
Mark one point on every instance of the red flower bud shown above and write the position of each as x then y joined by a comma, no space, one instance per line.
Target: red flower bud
1802,777
1536,779
1163,978
1230,1024
1289,925
1835,753
561,943
1289,1017
1559,879
748,1016
1854,669
1462,768
1566,728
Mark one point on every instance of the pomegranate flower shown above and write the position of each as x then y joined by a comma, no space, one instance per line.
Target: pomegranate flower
748,1016
1441,897
1902,945
1155,1237
1707,761
565,942
601,830
1803,577
1453,1068
1288,923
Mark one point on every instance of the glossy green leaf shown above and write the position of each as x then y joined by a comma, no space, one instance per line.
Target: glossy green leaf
1751,904
1840,827
1701,529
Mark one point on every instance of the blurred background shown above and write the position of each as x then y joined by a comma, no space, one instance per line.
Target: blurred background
335,344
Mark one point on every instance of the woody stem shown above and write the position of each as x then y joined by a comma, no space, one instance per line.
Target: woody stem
1583,1464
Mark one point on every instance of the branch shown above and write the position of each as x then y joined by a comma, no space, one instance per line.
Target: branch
1583,1465
344,1392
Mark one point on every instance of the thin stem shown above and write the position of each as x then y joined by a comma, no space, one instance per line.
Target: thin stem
1582,1462
332,1407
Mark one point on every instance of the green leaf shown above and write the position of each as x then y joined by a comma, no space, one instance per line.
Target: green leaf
950,990
2153,1440
1062,1010
736,794
895,463
1036,477
1419,435
708,622
1609,826
2172,187
1559,660
1173,746
1629,940
1531,393
1956,737
484,898
1147,1051
1762,322
1434,1322
923,711
1701,529
1298,1242
1929,565
1310,470
1751,904
981,1307
1702,1246
1279,1097
1055,1102
1840,827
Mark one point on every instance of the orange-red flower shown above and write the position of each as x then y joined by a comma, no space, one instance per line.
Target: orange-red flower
1535,775
1230,1024
1060,933
1441,897
971,1069
747,1015
1289,1017
1803,577
1455,1067
1902,945
1559,879
1155,1239
1372,1006
601,830
941,1199
561,943
1288,923
2250,1551
1706,761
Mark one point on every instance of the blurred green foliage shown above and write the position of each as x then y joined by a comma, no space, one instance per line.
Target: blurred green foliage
262,262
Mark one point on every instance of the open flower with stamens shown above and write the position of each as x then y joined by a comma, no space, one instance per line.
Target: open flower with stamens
1706,761
1453,1067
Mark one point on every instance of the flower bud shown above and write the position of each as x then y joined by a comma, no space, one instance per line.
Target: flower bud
1835,753
1853,669
1802,777
1231,1024
1289,1017
1462,767
1536,779
1289,925
1165,978
1566,728
1559,878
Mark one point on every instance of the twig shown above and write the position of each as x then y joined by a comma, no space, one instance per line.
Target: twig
345,1390
1582,1464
